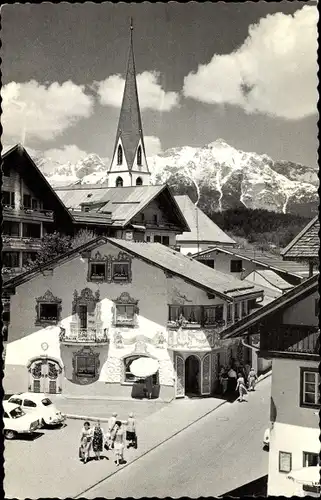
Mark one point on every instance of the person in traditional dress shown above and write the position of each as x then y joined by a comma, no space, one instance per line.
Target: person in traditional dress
252,379
240,386
98,440
85,442
131,436
232,376
119,442
149,387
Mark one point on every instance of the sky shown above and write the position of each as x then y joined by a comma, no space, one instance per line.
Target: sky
243,72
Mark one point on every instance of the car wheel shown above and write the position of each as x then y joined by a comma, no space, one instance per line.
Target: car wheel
10,434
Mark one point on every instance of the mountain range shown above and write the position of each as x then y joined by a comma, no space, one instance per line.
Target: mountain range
220,175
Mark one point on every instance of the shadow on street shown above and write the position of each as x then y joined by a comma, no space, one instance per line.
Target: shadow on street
254,488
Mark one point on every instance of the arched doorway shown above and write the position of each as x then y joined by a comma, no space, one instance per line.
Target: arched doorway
139,181
192,375
45,375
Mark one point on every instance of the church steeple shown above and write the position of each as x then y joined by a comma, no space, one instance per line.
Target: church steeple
129,158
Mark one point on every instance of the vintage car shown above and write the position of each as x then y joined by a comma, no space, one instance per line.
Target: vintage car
16,421
40,405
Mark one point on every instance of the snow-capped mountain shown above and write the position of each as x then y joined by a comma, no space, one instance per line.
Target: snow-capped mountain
226,177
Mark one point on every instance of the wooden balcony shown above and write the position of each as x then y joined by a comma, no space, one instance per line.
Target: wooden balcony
292,340
82,336
20,243
40,214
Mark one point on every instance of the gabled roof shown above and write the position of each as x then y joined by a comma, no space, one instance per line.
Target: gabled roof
203,229
123,203
32,176
306,244
264,259
130,128
175,263
286,300
273,279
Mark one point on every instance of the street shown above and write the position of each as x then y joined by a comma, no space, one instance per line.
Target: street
214,455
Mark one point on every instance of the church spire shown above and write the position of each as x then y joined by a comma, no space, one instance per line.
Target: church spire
129,151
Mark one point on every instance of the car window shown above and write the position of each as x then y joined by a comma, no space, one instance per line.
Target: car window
17,412
5,414
16,401
29,404
46,402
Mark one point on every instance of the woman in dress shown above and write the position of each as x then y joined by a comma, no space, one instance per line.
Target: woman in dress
119,439
85,442
131,436
252,378
98,438
240,386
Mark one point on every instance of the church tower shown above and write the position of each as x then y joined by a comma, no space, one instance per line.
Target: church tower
129,165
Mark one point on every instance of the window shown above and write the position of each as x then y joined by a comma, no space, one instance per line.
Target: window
82,314
310,390
310,459
29,404
10,259
155,218
46,402
120,271
119,155
207,262
229,312
213,315
157,238
165,240
139,181
30,230
125,314
285,461
185,316
236,266
28,258
129,377
119,182
16,401
10,228
34,204
16,413
243,306
27,201
8,198
48,312
97,271
139,157
148,239
85,366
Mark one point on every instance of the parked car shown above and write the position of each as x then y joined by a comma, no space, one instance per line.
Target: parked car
16,421
40,405
266,439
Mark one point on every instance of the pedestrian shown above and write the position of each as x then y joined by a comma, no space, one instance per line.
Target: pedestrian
110,431
119,438
232,376
131,435
85,442
149,387
240,386
252,379
98,439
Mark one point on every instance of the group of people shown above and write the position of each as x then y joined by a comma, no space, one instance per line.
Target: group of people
118,433
237,378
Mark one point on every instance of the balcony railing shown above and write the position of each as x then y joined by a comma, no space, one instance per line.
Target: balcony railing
34,212
84,335
21,242
291,338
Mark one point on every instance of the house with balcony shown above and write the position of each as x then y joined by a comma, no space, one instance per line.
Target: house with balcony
30,209
289,334
92,311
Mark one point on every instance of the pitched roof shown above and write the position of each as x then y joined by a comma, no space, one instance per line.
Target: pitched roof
202,227
265,259
306,244
307,287
273,279
130,128
34,178
175,263
121,204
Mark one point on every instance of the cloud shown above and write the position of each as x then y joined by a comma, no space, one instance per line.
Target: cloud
152,145
151,93
33,110
274,72
70,153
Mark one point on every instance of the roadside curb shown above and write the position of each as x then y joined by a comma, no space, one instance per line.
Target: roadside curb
81,495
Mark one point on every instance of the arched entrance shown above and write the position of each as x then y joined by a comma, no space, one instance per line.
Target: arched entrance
44,375
192,375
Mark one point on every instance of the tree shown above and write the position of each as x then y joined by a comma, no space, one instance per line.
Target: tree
83,236
52,245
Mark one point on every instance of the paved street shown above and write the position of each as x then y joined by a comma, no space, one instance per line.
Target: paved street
213,456
224,441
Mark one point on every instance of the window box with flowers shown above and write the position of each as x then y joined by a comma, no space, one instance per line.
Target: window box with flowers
125,311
